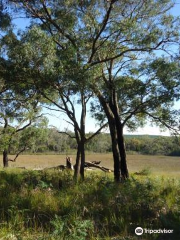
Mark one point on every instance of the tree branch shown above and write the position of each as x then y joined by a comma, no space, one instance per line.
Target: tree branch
126,51
69,135
22,150
49,19
28,124
104,23
52,109
97,132
162,122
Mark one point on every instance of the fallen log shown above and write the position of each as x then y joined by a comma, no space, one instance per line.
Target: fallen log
96,162
87,166
91,164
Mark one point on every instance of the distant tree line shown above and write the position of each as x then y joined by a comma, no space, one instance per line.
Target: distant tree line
153,145
46,140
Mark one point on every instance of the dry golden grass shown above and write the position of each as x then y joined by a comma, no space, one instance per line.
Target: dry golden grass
157,164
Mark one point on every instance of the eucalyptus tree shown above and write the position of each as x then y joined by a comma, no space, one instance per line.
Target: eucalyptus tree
39,67
108,40
143,94
5,26
16,115
60,84
19,106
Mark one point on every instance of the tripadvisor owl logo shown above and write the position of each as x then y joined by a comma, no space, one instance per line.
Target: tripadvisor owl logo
138,231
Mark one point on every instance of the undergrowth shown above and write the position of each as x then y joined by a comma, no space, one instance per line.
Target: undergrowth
49,205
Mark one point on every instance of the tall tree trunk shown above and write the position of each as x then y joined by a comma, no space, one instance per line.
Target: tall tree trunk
78,156
82,160
114,136
121,143
83,134
5,159
115,150
77,165
122,149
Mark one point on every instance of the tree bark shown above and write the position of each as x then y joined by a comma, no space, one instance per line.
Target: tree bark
122,149
83,134
77,165
114,137
121,142
116,132
115,150
82,160
5,159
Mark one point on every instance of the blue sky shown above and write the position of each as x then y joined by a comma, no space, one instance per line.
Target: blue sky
58,119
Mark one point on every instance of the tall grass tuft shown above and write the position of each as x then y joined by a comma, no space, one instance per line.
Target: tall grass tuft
33,205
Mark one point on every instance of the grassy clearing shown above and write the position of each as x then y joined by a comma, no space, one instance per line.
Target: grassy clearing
48,205
156,164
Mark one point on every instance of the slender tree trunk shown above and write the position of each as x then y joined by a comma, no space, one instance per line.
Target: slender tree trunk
122,149
82,160
115,150
83,134
77,165
5,159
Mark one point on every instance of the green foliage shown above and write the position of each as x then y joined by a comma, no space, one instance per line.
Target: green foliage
32,205
153,145
71,230
100,143
39,50
5,19
44,185
40,139
144,172
82,46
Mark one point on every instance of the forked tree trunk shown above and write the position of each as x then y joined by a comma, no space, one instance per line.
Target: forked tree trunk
121,142
80,161
115,150
114,138
5,159
116,131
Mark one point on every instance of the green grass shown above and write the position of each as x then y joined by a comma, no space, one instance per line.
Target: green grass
48,205
32,206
